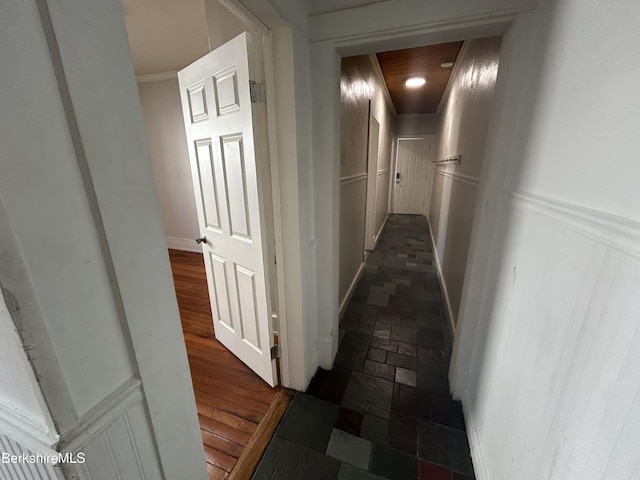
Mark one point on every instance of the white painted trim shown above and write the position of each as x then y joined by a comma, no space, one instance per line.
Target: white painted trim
475,445
471,22
25,470
183,244
112,407
392,169
443,284
245,15
281,286
378,71
21,428
614,232
382,172
377,237
460,177
352,179
157,77
352,287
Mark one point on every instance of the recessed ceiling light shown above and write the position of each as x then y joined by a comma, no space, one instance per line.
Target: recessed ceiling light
415,82
446,63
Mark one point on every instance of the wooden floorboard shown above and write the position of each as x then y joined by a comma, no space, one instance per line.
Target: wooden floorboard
216,473
237,410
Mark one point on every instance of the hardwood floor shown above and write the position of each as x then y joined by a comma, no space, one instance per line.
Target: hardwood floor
232,400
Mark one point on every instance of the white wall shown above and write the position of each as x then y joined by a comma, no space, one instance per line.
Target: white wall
415,124
547,353
167,141
222,25
25,471
463,119
24,415
359,83
296,197
85,271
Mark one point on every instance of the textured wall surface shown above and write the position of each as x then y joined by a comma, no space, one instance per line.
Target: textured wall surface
548,343
358,85
462,130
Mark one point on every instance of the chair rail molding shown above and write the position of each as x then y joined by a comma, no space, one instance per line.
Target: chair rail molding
460,177
615,232
353,178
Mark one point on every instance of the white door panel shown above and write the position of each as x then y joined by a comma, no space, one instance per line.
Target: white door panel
223,130
411,175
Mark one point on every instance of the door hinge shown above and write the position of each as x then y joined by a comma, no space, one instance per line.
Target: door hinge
257,92
275,351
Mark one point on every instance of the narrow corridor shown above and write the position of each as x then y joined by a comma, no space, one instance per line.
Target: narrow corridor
384,410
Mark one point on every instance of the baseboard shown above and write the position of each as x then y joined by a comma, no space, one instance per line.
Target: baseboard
477,458
443,283
352,287
184,244
377,237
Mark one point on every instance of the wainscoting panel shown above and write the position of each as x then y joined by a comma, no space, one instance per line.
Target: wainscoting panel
24,471
353,191
453,204
571,361
382,200
116,439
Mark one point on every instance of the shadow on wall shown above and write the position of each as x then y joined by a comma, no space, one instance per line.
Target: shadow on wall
493,217
547,348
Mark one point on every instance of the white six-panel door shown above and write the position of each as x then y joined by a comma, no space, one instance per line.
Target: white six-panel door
411,173
226,147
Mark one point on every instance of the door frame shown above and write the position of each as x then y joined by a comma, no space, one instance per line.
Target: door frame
426,196
275,224
245,52
325,55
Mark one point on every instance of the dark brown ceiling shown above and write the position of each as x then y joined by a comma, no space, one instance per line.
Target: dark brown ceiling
399,65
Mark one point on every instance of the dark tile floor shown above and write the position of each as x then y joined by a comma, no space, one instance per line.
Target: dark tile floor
384,411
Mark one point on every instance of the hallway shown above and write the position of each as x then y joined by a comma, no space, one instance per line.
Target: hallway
384,411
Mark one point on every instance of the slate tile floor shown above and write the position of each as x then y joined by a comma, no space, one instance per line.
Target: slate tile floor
384,411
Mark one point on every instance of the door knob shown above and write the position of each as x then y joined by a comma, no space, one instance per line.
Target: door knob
200,240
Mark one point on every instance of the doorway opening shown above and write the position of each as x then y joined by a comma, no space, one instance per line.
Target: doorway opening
217,215
234,404
414,149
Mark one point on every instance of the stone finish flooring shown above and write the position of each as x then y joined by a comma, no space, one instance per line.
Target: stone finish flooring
384,410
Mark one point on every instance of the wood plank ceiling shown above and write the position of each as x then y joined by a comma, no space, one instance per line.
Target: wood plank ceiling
398,65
